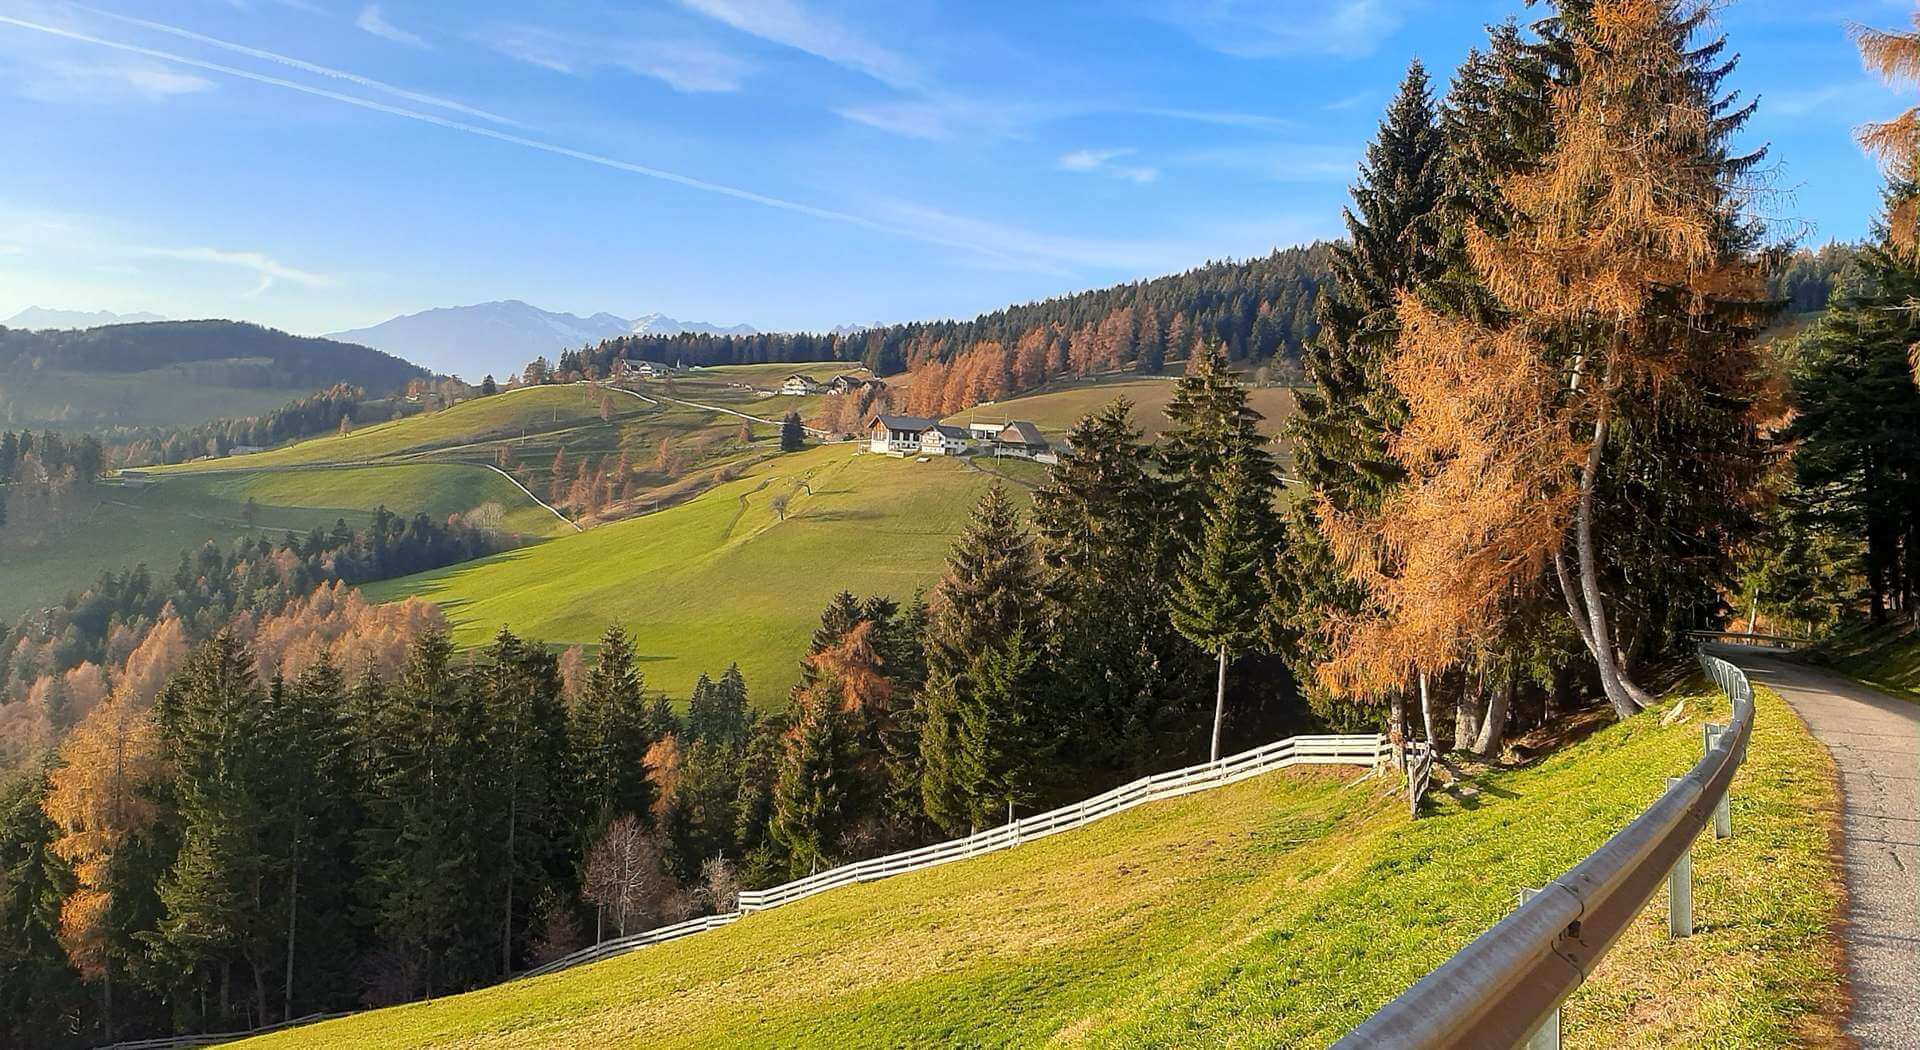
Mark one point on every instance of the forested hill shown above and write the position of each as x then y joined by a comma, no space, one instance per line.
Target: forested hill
1258,308
216,353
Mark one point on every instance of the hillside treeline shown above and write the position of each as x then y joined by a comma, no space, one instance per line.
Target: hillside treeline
311,415
1808,279
219,353
97,630
1257,309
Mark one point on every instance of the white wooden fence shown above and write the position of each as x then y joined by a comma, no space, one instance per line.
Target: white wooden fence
1367,749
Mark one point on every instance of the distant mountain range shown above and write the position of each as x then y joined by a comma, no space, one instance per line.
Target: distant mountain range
39,318
499,338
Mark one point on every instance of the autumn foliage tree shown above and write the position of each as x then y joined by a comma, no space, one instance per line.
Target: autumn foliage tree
1618,285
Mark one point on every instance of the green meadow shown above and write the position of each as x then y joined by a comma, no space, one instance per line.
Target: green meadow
1276,912
723,577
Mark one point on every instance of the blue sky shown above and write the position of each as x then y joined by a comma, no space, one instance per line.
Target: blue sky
324,164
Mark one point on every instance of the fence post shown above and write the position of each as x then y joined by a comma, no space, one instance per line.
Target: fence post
1547,1036
1680,890
1722,814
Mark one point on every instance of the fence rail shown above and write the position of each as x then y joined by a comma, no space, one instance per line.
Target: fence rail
1505,988
1366,749
1419,774
182,1042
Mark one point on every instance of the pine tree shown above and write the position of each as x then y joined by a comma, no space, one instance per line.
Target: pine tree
1107,554
1350,410
811,797
39,990
1005,730
211,718
611,732
535,805
311,819
1857,432
793,435
1212,426
990,590
1218,596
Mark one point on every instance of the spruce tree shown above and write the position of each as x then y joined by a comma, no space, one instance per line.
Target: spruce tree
811,796
990,590
793,435
1212,424
1107,554
39,990
312,817
1218,596
1350,408
534,800
611,733
211,717
1005,730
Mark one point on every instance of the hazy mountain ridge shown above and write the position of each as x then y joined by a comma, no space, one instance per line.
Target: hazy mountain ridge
499,338
41,318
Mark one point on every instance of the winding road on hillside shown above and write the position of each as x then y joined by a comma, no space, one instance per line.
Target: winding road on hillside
1875,742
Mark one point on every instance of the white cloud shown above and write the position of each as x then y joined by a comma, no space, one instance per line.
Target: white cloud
1101,160
376,23
58,81
268,270
683,65
1089,159
1224,118
1263,29
305,67
789,24
13,249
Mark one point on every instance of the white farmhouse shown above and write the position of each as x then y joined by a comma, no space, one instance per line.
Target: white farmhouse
800,385
897,435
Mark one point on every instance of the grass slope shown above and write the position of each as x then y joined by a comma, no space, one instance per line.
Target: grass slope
721,578
1887,658
1276,912
1058,407
112,529
161,397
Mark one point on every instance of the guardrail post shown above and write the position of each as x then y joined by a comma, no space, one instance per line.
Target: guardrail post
1547,1036
1722,814
1680,890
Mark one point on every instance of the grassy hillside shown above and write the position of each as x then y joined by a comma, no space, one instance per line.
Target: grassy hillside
1056,408
170,373
1276,912
109,528
1886,657
62,400
722,578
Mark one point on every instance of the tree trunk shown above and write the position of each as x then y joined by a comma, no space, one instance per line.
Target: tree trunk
259,991
1499,707
1465,727
293,911
106,999
1426,709
1219,704
1599,640
1397,728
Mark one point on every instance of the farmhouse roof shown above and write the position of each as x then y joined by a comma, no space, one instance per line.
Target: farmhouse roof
1020,431
910,424
957,433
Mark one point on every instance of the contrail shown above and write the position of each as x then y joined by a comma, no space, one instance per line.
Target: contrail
663,175
304,66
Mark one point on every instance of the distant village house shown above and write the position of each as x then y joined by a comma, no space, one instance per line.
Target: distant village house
919,435
800,385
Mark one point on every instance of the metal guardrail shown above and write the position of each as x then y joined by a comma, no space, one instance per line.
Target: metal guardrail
1749,638
1505,988
1359,750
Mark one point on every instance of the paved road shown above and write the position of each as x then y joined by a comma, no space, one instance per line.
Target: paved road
1875,741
